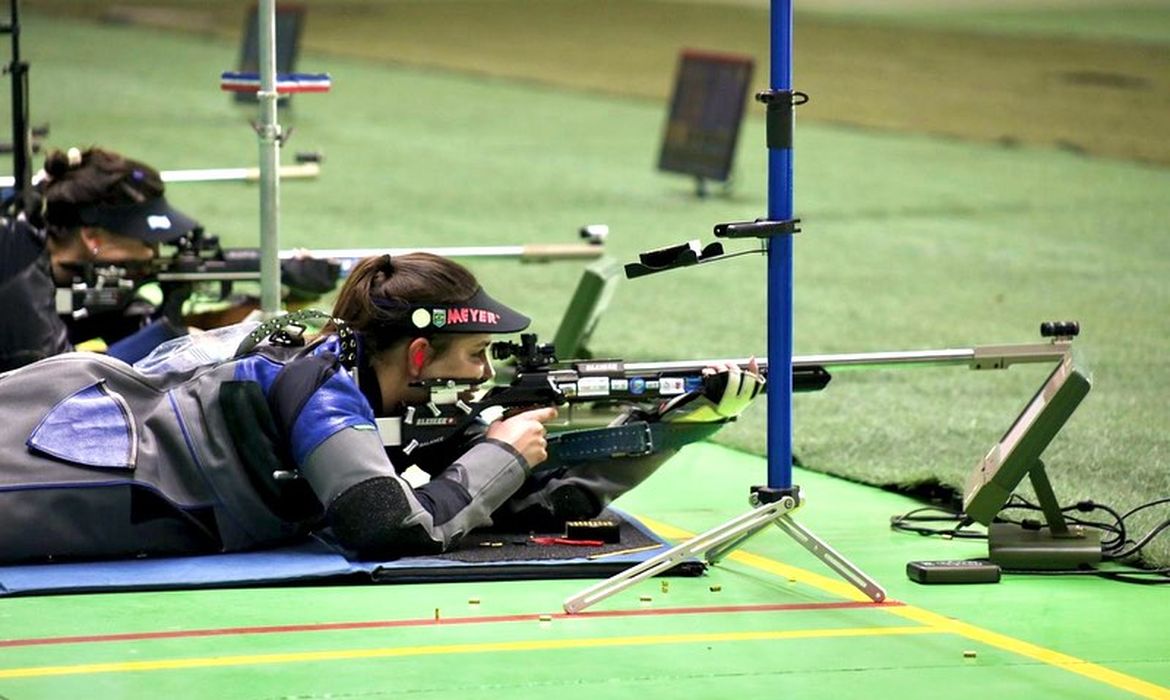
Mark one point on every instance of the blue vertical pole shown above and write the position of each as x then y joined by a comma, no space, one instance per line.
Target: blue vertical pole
780,287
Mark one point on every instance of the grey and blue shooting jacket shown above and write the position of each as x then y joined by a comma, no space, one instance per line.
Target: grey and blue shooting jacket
100,460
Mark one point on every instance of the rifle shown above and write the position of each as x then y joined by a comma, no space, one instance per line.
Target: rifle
600,387
199,261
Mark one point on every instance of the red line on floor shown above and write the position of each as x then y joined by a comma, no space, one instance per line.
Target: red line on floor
421,622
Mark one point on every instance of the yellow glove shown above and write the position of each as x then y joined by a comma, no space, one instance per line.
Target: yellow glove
726,392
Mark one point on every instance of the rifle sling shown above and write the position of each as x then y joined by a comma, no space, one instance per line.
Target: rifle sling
630,440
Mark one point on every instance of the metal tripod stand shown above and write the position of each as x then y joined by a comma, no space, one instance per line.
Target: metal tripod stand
720,541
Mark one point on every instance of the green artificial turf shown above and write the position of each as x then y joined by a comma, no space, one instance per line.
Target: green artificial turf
909,241
1145,21
1081,91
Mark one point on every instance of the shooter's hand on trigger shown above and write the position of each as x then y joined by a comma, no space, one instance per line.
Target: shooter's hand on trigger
526,433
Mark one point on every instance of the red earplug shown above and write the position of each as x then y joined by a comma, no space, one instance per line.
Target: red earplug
418,358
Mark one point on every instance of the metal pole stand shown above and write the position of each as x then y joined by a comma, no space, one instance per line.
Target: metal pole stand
268,87
774,503
770,507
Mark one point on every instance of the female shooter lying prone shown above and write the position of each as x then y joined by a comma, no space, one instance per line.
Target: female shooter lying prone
99,459
91,209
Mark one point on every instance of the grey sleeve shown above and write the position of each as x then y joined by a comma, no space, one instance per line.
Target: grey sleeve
348,457
376,513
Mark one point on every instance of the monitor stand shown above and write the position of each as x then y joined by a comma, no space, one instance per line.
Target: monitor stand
703,188
1054,547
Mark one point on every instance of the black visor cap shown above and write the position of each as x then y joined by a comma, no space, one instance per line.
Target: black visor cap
152,221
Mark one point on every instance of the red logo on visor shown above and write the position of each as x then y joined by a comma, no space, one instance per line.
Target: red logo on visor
470,315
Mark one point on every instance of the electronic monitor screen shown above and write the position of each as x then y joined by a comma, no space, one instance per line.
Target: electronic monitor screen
1010,459
705,113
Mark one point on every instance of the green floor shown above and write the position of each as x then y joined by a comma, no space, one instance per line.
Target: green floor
779,623
911,241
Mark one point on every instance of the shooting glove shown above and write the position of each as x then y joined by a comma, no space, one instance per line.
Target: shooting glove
724,396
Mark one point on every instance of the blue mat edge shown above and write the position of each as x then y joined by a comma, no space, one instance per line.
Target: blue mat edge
314,560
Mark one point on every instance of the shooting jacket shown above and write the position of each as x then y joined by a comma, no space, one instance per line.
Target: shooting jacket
100,460
29,326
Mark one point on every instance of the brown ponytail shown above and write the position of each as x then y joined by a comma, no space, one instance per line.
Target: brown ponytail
376,297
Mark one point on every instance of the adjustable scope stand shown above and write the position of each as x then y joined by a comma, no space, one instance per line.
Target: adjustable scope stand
770,506
18,69
774,503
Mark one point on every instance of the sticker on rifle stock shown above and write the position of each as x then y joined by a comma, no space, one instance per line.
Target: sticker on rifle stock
434,422
619,385
637,386
603,367
593,386
669,386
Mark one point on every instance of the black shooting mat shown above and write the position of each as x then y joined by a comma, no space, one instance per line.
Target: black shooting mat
496,555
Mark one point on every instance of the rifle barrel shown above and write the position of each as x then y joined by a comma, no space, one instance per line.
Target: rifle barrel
298,171
980,357
348,257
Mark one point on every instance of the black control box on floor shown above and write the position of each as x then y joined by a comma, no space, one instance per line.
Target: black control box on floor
961,571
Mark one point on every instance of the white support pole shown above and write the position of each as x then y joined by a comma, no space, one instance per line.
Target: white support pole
269,131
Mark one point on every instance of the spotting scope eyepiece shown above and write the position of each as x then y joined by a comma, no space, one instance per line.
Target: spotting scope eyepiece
1060,329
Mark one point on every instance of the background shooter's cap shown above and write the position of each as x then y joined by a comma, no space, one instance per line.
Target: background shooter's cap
479,314
152,221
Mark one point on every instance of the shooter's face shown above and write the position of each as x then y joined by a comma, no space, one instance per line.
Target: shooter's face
465,358
100,247
116,248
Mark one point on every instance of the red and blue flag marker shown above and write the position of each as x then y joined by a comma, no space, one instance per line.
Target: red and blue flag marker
286,83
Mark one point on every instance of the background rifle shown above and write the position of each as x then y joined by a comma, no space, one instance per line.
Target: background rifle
200,263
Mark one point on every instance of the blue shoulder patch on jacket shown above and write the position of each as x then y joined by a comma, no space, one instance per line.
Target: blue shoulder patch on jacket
337,405
92,427
259,369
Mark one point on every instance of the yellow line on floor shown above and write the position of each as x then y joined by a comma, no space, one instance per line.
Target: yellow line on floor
938,622
1053,658
440,649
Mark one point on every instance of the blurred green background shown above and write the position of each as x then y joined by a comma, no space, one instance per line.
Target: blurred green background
963,174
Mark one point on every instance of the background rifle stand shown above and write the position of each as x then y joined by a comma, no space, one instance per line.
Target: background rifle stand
769,507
